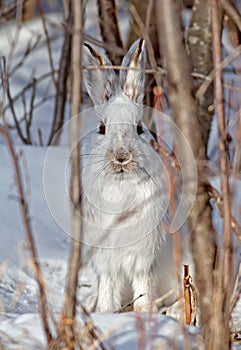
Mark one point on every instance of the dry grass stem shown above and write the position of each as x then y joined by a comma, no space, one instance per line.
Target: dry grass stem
165,296
130,304
187,294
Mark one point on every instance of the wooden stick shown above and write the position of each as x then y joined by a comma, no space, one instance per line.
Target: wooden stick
187,294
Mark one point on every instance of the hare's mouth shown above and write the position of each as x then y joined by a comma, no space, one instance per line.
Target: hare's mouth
124,167
121,161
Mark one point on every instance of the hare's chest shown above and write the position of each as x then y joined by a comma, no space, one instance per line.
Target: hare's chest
121,214
127,196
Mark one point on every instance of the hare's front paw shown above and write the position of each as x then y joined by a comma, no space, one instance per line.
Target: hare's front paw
145,305
109,296
145,294
104,307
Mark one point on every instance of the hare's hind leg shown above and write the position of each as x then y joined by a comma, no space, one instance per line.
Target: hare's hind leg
144,287
109,294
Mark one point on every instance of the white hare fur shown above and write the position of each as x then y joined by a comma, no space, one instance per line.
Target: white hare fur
125,196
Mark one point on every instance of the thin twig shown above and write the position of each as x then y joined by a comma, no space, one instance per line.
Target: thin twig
62,81
27,87
169,156
148,71
236,290
28,50
40,137
237,154
151,53
69,311
219,97
209,78
5,83
94,331
109,26
165,296
123,308
231,12
8,11
222,295
26,114
218,200
30,116
149,16
48,42
29,234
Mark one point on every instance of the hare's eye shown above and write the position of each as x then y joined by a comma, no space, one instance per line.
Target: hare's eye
139,129
102,129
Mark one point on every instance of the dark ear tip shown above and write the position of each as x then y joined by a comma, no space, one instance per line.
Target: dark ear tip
142,43
96,54
90,48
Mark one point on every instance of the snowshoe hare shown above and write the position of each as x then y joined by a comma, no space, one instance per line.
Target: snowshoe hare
125,189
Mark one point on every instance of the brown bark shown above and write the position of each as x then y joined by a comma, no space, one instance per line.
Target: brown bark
185,113
200,47
220,322
29,9
144,25
110,30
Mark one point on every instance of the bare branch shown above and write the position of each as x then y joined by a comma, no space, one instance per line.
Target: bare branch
219,97
75,256
150,50
130,304
29,234
48,43
28,50
30,115
232,12
62,80
221,307
110,30
203,88
27,87
218,200
9,11
5,83
200,47
147,71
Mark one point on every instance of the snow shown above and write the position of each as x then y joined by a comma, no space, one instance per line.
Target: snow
45,174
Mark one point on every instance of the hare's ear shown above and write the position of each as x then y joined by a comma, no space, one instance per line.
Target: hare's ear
132,81
100,83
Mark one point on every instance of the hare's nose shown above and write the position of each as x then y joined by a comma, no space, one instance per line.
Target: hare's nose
122,155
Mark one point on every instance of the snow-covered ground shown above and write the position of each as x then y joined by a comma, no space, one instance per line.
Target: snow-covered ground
42,169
